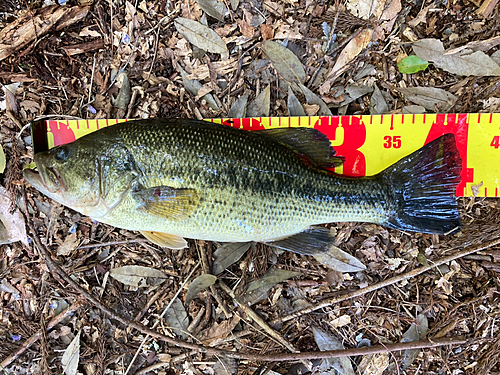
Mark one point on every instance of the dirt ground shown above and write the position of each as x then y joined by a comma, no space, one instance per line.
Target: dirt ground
141,59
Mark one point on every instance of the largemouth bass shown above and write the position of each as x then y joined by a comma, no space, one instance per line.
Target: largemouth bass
173,179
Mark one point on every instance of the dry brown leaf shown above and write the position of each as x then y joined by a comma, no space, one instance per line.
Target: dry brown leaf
228,254
246,29
266,31
226,29
88,32
13,221
198,285
478,45
191,10
286,32
339,260
341,321
177,319
374,364
350,51
311,109
218,331
325,341
421,16
293,104
239,107
70,243
391,11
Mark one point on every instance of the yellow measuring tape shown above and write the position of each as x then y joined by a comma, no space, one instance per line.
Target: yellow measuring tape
369,143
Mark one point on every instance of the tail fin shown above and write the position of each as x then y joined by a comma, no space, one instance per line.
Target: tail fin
425,183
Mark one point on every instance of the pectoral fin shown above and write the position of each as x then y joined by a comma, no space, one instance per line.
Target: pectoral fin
167,202
165,240
315,240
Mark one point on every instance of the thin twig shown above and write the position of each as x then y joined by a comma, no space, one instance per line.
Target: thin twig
53,322
390,281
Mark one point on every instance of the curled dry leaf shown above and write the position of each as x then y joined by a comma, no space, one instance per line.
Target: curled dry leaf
431,98
239,107
193,86
70,243
261,105
228,254
12,220
325,341
313,99
198,285
350,51
417,331
339,260
138,276
201,36
71,356
219,331
294,106
286,63
462,63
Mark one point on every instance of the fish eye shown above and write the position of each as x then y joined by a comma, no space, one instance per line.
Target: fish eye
62,154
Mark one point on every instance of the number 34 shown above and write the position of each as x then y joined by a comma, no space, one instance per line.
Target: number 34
392,141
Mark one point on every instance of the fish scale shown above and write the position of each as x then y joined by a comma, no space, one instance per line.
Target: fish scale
234,185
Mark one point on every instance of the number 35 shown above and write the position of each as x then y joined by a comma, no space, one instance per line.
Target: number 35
392,141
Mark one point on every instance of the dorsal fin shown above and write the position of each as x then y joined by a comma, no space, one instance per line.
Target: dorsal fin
306,141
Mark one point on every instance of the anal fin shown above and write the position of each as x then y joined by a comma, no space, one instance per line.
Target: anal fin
165,240
315,240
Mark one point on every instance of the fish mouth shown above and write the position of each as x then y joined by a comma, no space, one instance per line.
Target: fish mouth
46,179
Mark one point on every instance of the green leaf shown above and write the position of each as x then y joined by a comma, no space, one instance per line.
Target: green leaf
412,64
